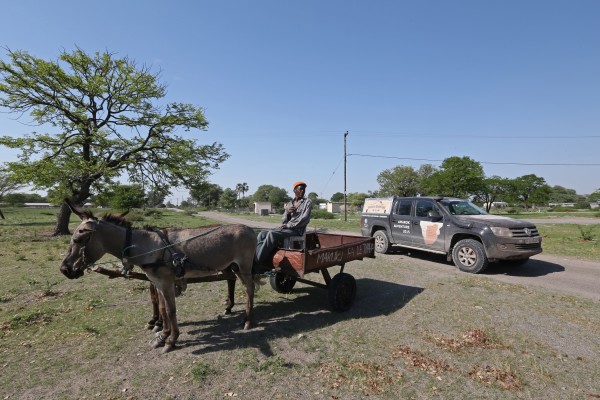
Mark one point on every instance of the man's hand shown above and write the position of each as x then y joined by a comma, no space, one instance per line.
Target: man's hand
291,210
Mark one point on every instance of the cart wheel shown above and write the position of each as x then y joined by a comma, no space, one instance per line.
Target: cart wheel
282,283
342,292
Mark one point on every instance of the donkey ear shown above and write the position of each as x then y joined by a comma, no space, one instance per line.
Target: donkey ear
124,213
75,209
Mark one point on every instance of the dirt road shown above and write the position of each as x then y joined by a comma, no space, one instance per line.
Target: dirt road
561,274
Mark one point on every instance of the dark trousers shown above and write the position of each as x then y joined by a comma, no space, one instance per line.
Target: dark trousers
268,242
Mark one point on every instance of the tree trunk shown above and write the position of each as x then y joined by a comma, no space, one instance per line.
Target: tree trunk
62,220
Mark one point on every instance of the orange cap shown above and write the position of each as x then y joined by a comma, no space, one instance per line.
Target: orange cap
298,183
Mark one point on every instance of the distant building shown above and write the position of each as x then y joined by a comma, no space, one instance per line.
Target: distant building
262,207
562,204
498,204
38,205
335,207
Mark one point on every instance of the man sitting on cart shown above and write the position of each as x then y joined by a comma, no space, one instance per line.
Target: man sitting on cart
295,219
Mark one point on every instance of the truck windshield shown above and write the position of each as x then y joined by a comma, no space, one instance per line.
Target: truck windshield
463,208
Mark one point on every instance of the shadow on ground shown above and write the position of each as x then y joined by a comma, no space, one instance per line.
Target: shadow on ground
305,311
531,268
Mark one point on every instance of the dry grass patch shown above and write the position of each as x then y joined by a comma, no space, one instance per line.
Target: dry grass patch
491,375
474,338
419,360
359,376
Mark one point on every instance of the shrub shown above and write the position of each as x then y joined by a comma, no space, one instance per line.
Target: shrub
152,212
135,215
587,233
321,214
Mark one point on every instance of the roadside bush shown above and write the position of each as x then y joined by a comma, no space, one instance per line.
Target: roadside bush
154,213
135,215
587,233
321,214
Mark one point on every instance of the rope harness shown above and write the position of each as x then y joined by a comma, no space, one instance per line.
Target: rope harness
179,261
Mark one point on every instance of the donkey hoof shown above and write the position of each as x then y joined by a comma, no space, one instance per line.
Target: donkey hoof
168,348
247,325
157,328
157,341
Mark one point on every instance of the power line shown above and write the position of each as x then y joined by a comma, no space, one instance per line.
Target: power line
332,174
466,135
483,162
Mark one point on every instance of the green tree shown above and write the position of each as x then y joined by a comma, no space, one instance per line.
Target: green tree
356,200
337,197
595,196
530,189
243,203
206,194
458,177
314,197
400,181
125,197
7,185
559,194
276,196
18,199
106,119
241,188
228,199
424,172
492,190
156,196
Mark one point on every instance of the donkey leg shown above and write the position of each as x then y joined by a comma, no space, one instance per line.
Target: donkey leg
249,284
156,319
230,295
172,332
164,331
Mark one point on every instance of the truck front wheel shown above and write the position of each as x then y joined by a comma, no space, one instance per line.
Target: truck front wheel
469,256
382,243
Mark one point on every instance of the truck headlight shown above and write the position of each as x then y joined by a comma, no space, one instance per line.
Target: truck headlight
501,231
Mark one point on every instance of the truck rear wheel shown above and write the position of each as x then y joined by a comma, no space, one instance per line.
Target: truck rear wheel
382,243
469,256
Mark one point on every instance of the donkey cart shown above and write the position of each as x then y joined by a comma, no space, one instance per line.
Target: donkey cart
317,253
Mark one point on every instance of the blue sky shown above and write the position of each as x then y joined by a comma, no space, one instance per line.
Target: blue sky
512,84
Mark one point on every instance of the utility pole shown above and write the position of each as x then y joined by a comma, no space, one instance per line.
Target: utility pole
345,199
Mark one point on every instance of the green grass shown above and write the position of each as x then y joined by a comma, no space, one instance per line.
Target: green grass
414,332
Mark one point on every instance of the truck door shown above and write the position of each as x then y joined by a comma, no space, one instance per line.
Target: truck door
401,226
427,230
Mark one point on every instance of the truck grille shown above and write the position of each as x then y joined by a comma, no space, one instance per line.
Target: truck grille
529,246
521,232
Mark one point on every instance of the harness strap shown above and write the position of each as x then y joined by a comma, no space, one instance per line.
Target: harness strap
127,266
180,261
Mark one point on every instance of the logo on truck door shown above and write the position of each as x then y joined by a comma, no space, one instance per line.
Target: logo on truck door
430,231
